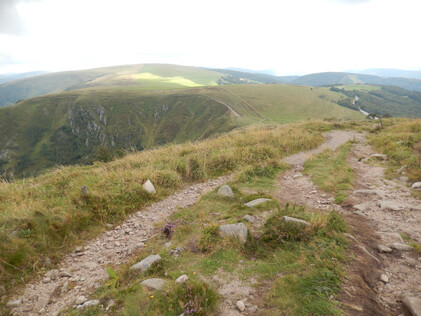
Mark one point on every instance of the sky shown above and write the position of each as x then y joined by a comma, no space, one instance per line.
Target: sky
290,37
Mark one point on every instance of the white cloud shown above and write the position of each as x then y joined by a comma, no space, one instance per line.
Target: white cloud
289,36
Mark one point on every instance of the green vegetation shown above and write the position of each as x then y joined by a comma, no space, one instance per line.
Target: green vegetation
330,172
89,125
400,140
298,267
46,216
385,100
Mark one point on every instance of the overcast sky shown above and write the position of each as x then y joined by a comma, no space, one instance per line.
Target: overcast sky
288,36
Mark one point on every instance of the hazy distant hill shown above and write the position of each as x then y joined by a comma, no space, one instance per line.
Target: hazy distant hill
10,77
385,72
335,78
147,76
254,77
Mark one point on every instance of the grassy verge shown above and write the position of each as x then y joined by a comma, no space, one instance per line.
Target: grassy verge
330,172
400,140
296,268
47,216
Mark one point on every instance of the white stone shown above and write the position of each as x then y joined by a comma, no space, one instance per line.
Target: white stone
148,186
256,202
249,218
238,230
402,247
296,220
391,206
384,278
88,304
383,248
181,279
15,303
154,283
416,185
146,263
80,300
240,305
226,191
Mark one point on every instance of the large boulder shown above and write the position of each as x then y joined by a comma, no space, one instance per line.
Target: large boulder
146,263
148,186
226,190
238,230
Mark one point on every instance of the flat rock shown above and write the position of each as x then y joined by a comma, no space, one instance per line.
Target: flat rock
182,278
391,206
15,303
148,186
296,220
238,230
363,207
379,156
413,304
383,248
401,247
146,263
88,304
256,202
416,185
250,218
366,192
226,191
298,175
154,283
391,237
80,300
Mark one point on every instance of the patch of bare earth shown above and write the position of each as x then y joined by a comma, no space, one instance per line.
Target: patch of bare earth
83,270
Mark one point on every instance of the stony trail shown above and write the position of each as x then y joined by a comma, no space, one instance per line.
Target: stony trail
83,270
372,224
378,210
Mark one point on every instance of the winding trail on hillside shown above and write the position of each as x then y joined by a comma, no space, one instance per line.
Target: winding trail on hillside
83,271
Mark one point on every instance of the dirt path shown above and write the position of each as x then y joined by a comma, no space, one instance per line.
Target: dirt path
363,293
82,271
390,210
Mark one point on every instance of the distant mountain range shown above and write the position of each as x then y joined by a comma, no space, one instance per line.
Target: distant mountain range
389,72
338,78
16,76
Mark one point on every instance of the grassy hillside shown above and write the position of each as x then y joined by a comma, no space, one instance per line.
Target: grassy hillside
46,216
88,125
84,126
335,78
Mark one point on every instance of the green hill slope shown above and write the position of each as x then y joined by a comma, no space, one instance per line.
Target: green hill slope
84,126
87,125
